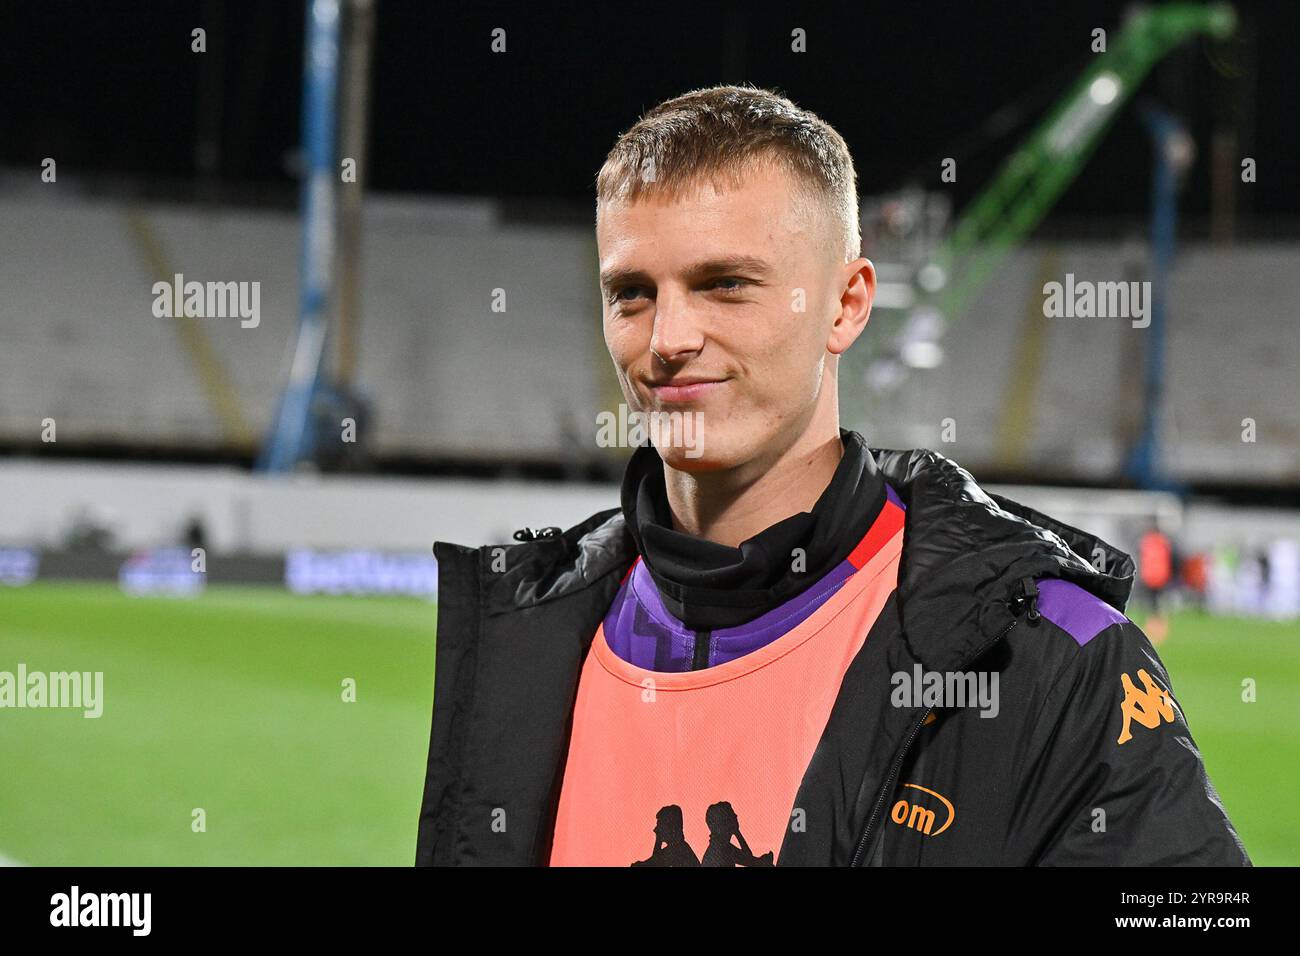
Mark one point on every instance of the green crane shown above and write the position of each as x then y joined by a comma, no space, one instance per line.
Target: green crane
1040,169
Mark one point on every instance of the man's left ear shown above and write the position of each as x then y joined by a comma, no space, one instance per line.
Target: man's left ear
855,305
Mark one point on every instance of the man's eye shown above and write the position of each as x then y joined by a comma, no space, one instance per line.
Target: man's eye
727,284
627,294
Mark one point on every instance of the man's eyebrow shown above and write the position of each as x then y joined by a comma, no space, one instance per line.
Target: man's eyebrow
724,265
721,265
613,277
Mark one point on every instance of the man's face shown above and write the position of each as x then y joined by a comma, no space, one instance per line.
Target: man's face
723,301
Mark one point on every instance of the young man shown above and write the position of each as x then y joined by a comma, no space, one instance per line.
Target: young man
787,647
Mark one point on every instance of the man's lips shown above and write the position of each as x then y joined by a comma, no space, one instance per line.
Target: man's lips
682,390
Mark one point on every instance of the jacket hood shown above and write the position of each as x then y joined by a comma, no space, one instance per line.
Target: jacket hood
966,554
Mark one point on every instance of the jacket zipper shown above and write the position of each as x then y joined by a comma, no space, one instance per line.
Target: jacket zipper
532,534
1029,595
700,657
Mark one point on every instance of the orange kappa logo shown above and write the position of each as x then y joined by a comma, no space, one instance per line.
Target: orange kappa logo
1148,707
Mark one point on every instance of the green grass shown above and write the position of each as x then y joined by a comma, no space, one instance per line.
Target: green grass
232,702
1251,750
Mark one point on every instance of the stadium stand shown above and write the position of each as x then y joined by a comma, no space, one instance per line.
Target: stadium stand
107,370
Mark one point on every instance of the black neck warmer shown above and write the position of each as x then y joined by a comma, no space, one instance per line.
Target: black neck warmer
709,586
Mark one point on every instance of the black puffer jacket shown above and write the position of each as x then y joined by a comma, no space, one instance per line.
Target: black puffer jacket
1045,782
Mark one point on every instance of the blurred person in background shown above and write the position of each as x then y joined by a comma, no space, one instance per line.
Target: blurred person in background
1156,570
1283,579
1196,578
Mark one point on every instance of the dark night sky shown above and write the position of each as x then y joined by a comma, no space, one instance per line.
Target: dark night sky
113,87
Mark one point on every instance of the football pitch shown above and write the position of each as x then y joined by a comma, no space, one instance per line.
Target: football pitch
227,736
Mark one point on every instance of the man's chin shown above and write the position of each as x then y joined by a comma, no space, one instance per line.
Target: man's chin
696,459
726,449
680,459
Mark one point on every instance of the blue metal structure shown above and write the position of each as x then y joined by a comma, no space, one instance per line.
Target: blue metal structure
1172,154
292,436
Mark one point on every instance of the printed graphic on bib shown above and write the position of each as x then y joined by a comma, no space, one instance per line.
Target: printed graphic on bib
727,846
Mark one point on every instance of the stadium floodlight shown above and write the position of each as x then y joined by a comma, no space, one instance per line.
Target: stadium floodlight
922,355
894,295
931,277
1104,89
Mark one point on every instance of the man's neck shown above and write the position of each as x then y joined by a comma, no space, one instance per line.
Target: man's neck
731,506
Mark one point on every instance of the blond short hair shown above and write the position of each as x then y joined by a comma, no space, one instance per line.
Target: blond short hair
720,133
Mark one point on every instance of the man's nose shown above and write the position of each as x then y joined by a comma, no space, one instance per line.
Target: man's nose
678,330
